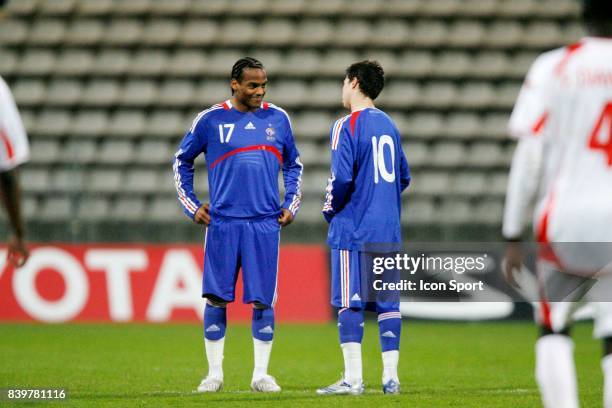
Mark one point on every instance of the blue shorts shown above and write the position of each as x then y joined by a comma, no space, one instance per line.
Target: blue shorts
248,244
347,286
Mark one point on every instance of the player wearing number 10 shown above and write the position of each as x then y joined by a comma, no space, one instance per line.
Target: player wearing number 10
363,205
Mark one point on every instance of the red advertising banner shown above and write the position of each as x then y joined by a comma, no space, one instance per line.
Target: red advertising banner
152,283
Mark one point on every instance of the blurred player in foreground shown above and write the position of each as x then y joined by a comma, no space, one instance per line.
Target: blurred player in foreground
363,206
246,142
14,151
563,120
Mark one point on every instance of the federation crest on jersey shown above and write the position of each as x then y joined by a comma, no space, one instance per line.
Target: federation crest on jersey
270,133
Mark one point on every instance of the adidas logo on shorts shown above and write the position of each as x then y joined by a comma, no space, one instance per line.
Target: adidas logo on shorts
213,328
388,333
266,330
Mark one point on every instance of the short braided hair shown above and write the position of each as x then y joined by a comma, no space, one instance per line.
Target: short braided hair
242,64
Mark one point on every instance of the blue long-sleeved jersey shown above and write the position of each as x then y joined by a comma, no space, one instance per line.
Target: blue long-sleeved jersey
244,153
369,171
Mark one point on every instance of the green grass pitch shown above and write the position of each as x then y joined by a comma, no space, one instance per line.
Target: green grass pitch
441,365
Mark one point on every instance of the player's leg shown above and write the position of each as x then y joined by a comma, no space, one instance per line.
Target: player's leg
390,328
603,330
345,296
555,369
220,271
260,250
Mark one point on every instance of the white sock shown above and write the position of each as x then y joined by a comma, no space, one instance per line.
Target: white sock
262,351
555,371
352,362
214,354
390,360
606,365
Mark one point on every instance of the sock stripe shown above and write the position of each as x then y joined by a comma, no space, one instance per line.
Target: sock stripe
389,315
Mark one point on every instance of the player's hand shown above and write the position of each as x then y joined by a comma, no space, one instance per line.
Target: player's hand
202,216
285,218
513,261
18,253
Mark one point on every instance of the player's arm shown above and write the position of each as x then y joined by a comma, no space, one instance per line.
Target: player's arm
11,198
528,124
14,131
404,170
292,178
340,184
192,145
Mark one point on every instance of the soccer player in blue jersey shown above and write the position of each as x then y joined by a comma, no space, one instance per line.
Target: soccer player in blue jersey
363,205
246,142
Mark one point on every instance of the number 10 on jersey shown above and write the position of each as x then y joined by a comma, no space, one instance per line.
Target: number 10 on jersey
378,158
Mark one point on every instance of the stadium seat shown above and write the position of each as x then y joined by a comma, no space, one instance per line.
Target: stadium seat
100,93
431,183
22,7
127,124
148,62
166,124
247,7
84,32
302,63
400,95
208,8
172,8
425,125
89,123
402,8
55,209
514,9
542,35
455,211
57,7
439,94
237,32
324,7
161,33
475,95
428,33
312,33
272,59
389,33
466,33
104,181
220,62
175,93
52,123
13,32
187,63
152,152
439,8
314,186
416,63
132,8
128,209
489,212
138,93
325,94
486,155
30,209
67,180
81,151
8,62
447,154
363,8
489,65
289,93
111,62
273,33
47,33
94,7
213,92
417,211
37,62
417,154
503,34
353,33
166,209
115,152
96,208
75,63
38,180
64,93
454,64
312,125
200,32
469,184
140,181
29,92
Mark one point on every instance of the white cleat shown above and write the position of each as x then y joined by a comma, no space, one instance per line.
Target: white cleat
266,383
211,384
342,388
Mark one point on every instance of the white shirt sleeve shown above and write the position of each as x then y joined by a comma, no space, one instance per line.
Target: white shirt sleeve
522,185
14,146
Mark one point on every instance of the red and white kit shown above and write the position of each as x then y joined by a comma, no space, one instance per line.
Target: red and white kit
14,147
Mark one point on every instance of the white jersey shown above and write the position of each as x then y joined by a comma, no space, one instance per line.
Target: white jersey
563,120
14,147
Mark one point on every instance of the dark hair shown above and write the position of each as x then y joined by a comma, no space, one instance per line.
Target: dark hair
370,76
242,64
597,16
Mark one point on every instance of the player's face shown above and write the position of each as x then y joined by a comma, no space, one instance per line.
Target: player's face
252,88
347,91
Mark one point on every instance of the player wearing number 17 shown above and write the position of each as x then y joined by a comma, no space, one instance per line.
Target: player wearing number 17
246,142
363,205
